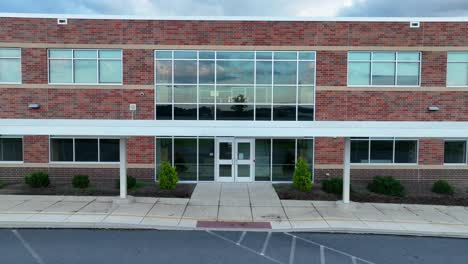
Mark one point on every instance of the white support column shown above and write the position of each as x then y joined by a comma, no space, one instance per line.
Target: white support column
123,168
346,170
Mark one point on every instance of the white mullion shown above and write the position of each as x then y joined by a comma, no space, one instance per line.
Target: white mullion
394,145
198,91
98,71
215,83
271,159
396,69
255,87
172,85
371,70
296,150
73,140
369,152
272,84
172,151
73,66
198,160
297,86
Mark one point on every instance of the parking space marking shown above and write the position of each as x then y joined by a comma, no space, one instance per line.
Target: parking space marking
293,249
28,247
265,244
241,238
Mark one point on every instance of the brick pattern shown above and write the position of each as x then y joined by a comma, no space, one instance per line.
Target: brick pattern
431,151
141,150
34,66
433,68
36,149
138,67
331,68
329,150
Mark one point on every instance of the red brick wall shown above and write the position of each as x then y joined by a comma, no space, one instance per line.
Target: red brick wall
141,150
329,150
36,149
331,68
34,65
138,67
433,68
431,151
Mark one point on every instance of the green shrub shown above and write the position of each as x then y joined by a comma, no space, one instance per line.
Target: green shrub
302,176
131,182
386,185
442,187
167,176
37,179
333,185
2,184
80,181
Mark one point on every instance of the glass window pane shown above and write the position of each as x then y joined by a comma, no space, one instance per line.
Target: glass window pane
207,72
163,151
305,113
305,150
263,112
234,112
206,94
243,170
185,54
185,71
387,56
163,112
406,151
306,95
457,56
264,72
185,158
285,72
10,70
288,55
283,159
185,93
86,149
225,171
264,55
12,149
457,74
359,151
235,72
262,159
455,152
408,73
61,54
305,55
61,149
306,72
10,53
206,112
110,71
163,93
359,56
163,71
232,55
85,71
110,54
284,94
206,55
235,94
225,150
85,54
243,151
185,112
381,151
109,150
284,112
410,56
383,73
163,54
60,71
359,73
263,94
206,159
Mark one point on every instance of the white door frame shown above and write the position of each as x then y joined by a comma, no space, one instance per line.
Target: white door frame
234,161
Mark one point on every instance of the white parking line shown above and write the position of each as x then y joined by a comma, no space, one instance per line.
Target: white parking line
293,249
241,238
322,255
28,247
265,244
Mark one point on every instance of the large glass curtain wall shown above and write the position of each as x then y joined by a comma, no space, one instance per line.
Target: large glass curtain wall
229,85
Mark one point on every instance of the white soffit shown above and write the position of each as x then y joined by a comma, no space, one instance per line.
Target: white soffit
123,128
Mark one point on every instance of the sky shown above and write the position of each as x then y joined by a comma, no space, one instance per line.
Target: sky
293,8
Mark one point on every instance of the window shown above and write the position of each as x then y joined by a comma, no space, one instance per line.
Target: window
11,149
10,65
384,68
384,151
455,152
73,66
84,150
457,69
235,85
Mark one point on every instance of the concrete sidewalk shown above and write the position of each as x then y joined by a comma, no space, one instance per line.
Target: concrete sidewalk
226,206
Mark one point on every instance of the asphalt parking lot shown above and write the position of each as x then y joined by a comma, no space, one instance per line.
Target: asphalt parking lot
53,246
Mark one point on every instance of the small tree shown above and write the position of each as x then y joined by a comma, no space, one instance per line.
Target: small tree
80,181
302,176
37,179
167,176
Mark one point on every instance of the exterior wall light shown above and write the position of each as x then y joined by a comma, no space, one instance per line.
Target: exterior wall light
433,108
34,106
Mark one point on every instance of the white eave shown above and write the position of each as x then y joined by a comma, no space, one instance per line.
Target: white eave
239,18
125,128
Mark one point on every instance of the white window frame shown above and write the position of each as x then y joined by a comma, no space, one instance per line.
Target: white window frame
466,152
456,62
21,66
254,84
369,140
72,59
22,149
74,152
372,61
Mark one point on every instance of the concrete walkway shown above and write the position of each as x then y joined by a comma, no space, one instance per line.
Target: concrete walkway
252,206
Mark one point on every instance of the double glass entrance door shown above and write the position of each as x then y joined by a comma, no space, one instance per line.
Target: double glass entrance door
235,161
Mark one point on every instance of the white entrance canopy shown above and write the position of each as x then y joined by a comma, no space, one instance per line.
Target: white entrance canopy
125,128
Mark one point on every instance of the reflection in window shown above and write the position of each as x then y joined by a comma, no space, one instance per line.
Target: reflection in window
10,65
455,152
383,151
457,69
11,149
84,150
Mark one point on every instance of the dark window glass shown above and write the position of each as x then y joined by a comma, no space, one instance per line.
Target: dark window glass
185,112
305,149
11,149
163,112
185,158
406,151
61,149
283,159
381,151
206,112
109,149
86,149
359,151
263,112
455,152
284,112
234,112
262,159
206,159
163,151
305,113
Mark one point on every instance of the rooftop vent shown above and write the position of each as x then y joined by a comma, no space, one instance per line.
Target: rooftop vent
414,24
62,21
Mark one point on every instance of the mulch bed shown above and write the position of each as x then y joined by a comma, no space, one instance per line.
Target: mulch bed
287,192
152,190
